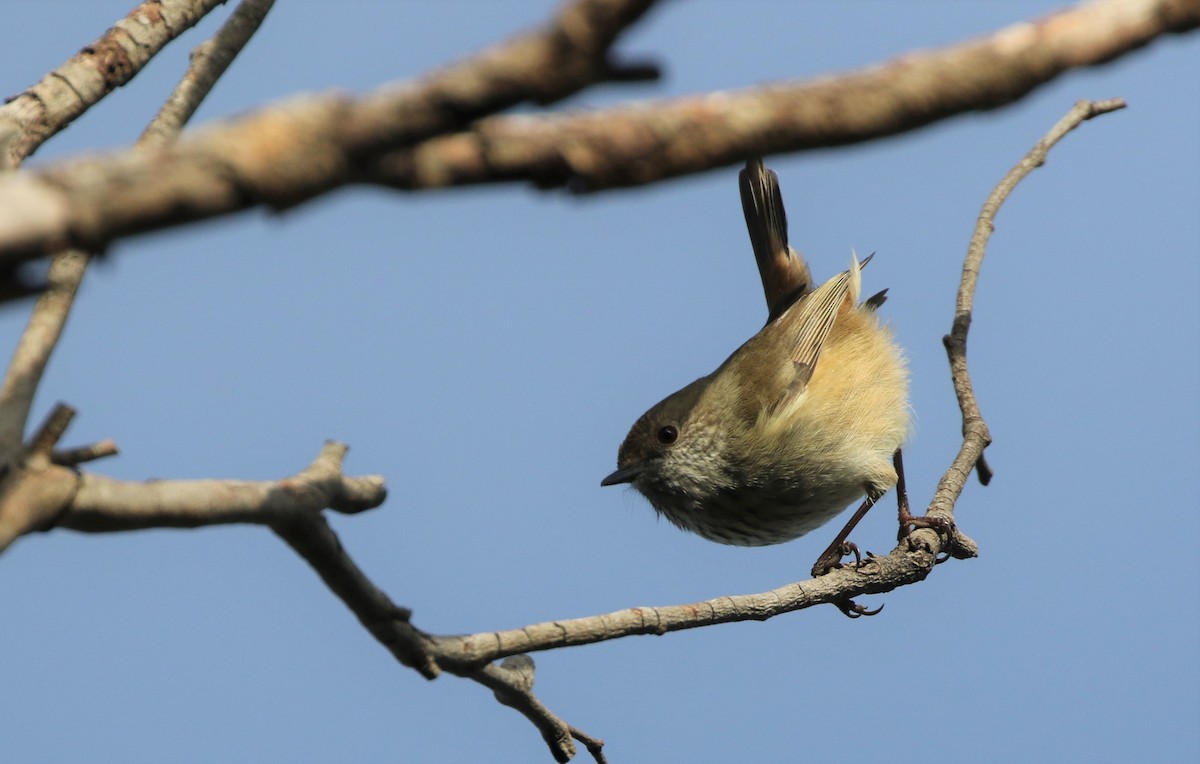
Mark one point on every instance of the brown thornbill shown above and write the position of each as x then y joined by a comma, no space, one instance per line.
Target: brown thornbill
802,419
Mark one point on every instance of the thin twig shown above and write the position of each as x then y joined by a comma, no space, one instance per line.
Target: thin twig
209,61
315,542
594,745
976,437
70,457
878,575
512,683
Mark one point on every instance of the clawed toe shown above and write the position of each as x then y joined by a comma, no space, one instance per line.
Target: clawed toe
831,558
910,523
852,609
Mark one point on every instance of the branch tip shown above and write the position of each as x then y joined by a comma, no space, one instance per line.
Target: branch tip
52,430
329,461
1096,108
70,457
983,470
594,745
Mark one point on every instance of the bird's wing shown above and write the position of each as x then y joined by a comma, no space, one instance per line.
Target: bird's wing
809,322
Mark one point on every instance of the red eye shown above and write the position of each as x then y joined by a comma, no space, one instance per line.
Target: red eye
667,435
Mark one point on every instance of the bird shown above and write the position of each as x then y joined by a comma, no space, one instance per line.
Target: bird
800,421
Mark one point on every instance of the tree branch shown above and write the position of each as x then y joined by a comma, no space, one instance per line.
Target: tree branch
70,457
976,436
68,268
33,351
30,118
207,64
644,143
104,505
511,681
306,146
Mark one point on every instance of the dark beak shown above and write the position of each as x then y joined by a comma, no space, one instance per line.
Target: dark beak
623,475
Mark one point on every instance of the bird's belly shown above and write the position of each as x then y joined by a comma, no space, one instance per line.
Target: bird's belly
764,514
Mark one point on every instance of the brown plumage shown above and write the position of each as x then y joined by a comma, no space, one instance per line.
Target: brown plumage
796,424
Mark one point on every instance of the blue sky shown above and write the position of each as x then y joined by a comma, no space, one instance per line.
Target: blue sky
487,349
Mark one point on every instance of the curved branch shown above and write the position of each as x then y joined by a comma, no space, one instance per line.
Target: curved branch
511,681
976,436
292,151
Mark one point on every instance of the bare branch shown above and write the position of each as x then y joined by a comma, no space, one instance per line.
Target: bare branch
644,143
47,436
30,118
32,498
512,683
976,437
876,575
104,505
209,61
308,145
291,507
298,149
594,745
70,457
33,351
67,270
283,155
34,491
312,538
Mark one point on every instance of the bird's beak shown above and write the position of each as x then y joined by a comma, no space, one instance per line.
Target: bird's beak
623,475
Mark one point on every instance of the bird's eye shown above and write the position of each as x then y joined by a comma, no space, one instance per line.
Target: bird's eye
667,434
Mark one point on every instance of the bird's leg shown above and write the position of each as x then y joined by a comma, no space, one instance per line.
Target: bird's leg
908,522
831,558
